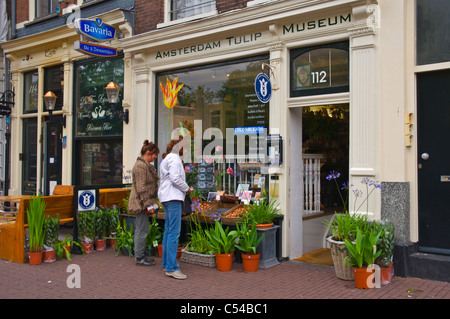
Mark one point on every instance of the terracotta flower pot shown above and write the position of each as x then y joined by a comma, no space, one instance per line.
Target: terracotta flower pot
364,277
112,242
386,274
224,262
250,262
87,246
35,258
100,244
64,250
49,255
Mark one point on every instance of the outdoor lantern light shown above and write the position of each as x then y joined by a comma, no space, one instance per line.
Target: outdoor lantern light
50,101
112,92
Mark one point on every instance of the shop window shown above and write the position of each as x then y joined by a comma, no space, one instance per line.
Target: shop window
95,116
432,29
98,126
54,81
180,9
320,70
30,94
218,99
45,7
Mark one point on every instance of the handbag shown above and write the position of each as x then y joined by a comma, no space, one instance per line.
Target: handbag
187,209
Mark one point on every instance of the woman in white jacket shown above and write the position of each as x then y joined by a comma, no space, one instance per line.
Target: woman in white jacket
171,193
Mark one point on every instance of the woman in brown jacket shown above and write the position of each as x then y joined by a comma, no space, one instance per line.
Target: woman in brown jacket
143,202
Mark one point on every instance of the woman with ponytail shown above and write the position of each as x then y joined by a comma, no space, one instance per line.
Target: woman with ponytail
172,191
143,198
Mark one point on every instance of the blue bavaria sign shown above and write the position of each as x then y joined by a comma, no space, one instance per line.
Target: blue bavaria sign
263,87
95,29
94,49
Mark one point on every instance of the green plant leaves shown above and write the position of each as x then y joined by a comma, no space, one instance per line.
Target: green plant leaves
35,217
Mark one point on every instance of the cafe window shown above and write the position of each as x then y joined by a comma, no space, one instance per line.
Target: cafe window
54,81
180,9
218,98
320,69
432,29
98,126
30,98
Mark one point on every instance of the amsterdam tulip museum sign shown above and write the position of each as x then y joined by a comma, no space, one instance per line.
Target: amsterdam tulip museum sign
96,31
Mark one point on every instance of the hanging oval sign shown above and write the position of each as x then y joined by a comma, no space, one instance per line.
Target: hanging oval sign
263,87
95,29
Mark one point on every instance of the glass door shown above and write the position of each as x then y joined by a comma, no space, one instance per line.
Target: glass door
29,156
52,156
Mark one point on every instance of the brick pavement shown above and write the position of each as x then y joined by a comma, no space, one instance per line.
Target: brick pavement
106,276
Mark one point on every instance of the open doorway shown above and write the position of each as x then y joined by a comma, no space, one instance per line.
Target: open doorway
325,149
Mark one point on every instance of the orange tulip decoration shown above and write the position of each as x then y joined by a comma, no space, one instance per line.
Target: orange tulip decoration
170,93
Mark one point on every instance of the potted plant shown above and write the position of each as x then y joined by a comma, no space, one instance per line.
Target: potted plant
63,247
198,251
86,230
101,224
344,225
51,231
263,213
363,253
124,239
113,217
248,243
222,243
35,217
386,245
154,236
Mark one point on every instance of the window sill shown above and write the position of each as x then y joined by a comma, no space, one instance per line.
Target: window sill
188,19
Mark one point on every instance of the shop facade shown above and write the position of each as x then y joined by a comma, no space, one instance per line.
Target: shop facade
343,76
79,142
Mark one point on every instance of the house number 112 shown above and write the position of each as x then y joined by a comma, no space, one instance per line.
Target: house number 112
319,77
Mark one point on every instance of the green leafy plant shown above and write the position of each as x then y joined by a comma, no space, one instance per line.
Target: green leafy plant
385,243
86,226
248,238
363,251
64,246
155,234
264,212
222,241
51,231
35,216
124,238
199,241
101,223
344,226
113,217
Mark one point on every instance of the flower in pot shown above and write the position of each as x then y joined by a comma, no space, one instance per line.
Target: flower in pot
386,245
362,255
63,247
198,240
222,242
35,217
51,231
248,242
263,213
113,217
101,224
86,230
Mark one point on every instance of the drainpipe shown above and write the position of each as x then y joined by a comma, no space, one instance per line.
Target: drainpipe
13,19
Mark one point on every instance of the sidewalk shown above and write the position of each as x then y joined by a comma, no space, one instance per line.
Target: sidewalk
105,276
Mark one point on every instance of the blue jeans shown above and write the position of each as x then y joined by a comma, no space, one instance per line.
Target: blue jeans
172,227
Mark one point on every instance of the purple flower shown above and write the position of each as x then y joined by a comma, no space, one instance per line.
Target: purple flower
333,175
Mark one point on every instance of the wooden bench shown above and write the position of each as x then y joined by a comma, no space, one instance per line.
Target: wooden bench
13,234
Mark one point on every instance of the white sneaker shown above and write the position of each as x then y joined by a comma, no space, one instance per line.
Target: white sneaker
177,274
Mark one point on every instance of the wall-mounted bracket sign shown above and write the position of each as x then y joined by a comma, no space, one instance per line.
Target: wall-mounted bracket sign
94,49
95,30
263,87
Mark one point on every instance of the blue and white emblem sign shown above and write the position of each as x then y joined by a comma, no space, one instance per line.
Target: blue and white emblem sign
86,200
263,87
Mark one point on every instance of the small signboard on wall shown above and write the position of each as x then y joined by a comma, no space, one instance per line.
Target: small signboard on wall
86,200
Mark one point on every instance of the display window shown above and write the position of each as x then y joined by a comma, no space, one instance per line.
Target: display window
30,94
218,106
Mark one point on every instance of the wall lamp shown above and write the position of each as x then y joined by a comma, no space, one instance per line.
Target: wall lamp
50,101
112,92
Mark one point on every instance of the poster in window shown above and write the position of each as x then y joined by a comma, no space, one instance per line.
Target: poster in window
303,76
